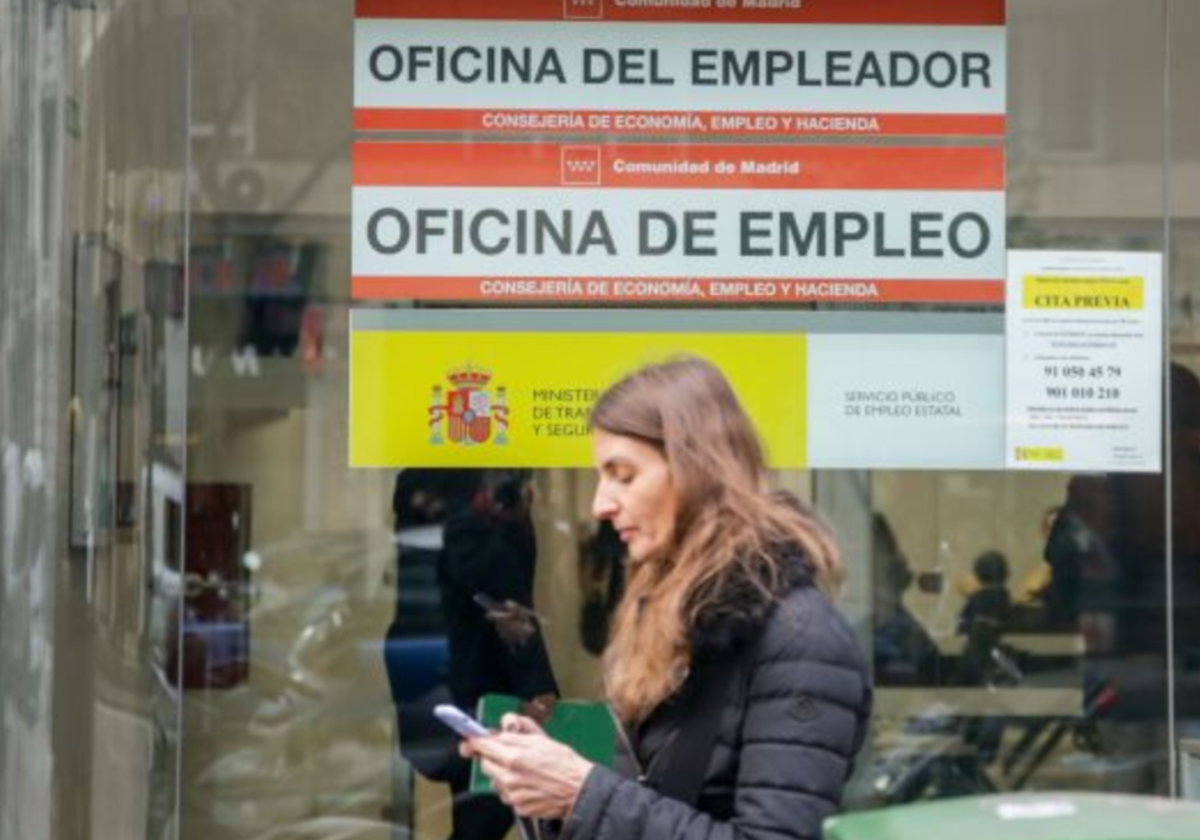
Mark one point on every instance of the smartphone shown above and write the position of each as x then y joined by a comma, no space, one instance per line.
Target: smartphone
460,721
487,601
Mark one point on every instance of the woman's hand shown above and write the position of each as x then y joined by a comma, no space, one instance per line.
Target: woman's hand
533,774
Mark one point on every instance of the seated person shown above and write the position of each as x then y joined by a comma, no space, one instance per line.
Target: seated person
983,618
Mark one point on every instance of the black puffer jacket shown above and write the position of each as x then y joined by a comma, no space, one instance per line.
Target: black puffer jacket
787,735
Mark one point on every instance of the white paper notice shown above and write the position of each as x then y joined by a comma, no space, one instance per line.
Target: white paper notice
1084,361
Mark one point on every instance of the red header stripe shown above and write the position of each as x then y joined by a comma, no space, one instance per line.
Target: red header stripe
758,124
924,12
570,165
979,292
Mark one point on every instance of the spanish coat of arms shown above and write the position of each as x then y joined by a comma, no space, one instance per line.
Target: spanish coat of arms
469,411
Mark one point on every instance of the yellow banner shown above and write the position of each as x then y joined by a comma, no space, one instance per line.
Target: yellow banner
1050,292
521,399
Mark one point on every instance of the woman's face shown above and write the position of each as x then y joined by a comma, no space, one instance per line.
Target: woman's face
635,493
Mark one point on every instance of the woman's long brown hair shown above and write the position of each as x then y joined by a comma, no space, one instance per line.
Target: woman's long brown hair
728,523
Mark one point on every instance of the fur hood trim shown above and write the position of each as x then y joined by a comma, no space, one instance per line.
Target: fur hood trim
743,606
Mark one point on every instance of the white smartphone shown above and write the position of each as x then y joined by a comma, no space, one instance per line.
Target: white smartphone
460,721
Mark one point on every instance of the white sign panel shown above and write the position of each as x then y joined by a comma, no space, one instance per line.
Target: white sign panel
831,66
906,401
678,222
1084,361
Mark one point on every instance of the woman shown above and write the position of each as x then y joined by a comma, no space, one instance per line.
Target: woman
728,597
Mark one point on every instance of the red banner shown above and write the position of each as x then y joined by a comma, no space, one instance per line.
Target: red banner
690,290
915,12
677,166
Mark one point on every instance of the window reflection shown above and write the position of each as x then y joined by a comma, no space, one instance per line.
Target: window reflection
904,652
466,624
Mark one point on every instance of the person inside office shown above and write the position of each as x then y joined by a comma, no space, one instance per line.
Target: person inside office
741,692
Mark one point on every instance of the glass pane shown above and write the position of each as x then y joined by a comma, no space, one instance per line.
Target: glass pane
210,626
324,615
287,719
92,150
1018,621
